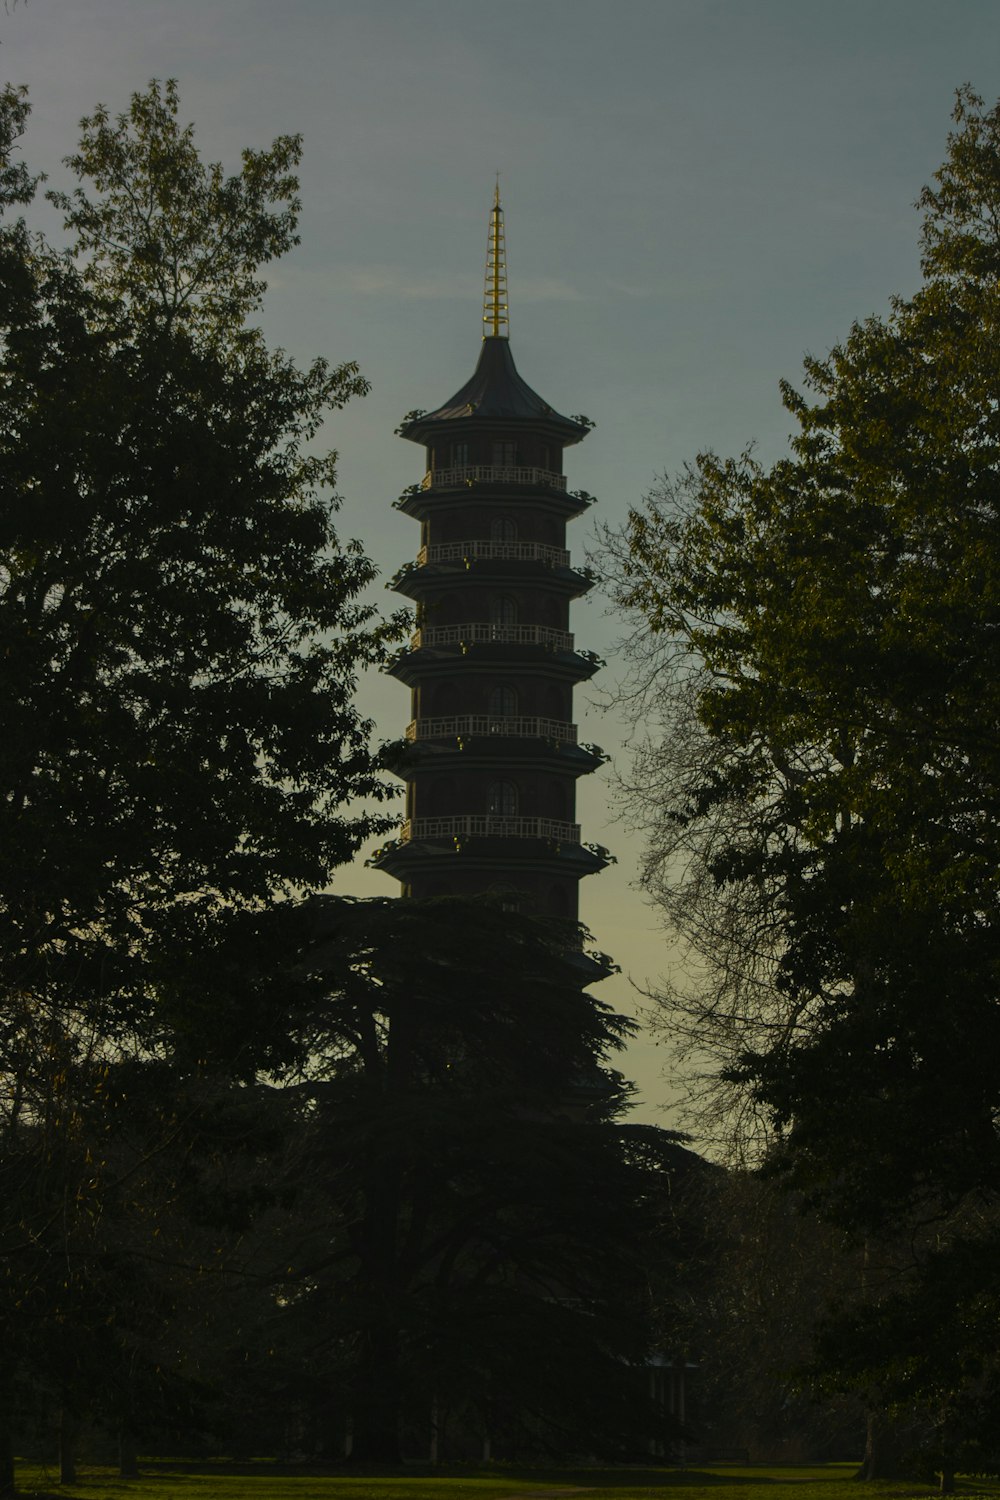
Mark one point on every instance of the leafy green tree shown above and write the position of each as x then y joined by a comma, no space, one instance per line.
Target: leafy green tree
147,1215
818,651
180,634
182,630
919,1346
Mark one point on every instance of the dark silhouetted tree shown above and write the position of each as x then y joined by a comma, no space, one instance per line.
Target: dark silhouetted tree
488,1225
180,633
817,650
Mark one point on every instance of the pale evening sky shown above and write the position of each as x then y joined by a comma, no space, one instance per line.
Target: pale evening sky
697,192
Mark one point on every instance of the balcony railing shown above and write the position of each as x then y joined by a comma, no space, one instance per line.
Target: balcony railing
483,551
469,474
488,724
490,825
484,633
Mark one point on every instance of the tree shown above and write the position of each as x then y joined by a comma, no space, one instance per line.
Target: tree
480,1252
817,643
760,1269
180,627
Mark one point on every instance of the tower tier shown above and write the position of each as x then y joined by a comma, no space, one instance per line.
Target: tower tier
490,757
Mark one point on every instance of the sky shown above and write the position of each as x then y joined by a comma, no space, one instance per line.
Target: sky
697,194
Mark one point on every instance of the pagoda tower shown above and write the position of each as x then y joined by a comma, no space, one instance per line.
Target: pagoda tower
490,757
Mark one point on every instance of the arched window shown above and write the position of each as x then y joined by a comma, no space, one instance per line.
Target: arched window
506,897
503,799
503,704
503,610
503,529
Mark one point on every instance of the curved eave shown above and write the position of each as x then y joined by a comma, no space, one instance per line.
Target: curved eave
594,967
495,395
403,859
500,750
411,666
424,430
413,581
421,506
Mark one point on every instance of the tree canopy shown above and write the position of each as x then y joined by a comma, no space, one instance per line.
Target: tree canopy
181,630
816,653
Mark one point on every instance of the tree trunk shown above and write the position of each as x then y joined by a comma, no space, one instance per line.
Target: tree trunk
128,1455
376,1399
67,1448
376,1414
882,1456
7,1488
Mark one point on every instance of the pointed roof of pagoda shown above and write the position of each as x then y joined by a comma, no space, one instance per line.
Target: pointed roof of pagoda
496,392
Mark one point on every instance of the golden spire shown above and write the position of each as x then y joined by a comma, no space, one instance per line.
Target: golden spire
495,321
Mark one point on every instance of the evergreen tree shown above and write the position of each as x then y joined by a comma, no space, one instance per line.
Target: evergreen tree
482,1250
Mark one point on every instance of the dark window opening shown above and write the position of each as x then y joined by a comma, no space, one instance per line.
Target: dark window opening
503,703
503,799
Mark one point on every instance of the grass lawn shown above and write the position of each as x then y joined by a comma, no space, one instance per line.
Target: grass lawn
263,1481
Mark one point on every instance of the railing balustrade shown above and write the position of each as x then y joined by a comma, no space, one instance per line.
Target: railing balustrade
490,724
485,551
490,825
485,633
468,474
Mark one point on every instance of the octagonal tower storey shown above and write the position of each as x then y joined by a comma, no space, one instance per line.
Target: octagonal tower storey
490,756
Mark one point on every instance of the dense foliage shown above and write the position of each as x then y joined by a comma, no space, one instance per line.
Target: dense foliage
817,657
180,633
181,628
485,1224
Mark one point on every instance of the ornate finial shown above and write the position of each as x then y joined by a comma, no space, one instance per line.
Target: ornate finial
495,320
